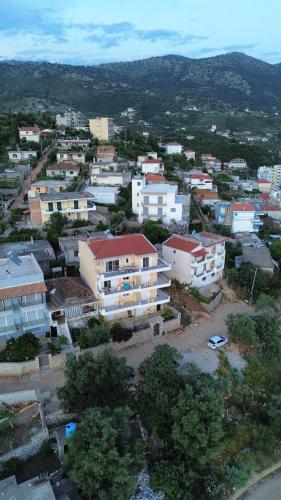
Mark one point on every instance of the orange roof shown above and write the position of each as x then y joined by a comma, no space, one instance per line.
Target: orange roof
155,178
271,208
29,129
127,244
151,161
201,176
19,291
183,244
200,253
262,181
210,195
242,207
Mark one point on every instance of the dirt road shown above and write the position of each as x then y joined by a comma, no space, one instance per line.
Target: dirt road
269,488
29,179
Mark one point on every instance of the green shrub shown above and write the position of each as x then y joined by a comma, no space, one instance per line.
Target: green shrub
120,333
23,348
167,314
47,447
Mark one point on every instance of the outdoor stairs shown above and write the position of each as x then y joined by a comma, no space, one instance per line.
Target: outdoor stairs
63,330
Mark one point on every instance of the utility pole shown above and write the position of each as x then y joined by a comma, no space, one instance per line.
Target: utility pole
253,286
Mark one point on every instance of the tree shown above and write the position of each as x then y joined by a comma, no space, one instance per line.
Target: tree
55,227
197,429
94,382
267,304
25,347
275,250
100,460
241,329
268,330
154,232
160,388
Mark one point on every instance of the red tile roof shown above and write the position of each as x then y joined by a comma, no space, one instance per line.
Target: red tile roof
183,244
29,129
155,178
19,291
271,208
201,176
262,181
200,253
151,161
128,244
242,207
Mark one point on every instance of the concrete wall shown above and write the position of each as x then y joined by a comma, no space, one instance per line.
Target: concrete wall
18,369
10,398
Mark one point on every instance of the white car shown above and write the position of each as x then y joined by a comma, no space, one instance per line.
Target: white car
217,341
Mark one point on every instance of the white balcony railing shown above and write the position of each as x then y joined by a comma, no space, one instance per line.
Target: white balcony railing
160,299
134,287
124,271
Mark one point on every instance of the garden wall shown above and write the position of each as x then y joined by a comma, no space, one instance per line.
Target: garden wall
19,368
10,398
214,304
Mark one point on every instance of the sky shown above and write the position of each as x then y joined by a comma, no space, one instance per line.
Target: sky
91,32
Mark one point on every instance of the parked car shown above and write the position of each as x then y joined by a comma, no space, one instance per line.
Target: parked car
131,372
217,341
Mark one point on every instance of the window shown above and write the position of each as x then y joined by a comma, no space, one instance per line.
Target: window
76,253
59,206
145,211
173,209
203,279
112,265
130,314
127,260
71,172
146,200
174,251
145,262
160,200
76,204
50,207
160,211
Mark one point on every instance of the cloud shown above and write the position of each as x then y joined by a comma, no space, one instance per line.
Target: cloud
112,35
240,47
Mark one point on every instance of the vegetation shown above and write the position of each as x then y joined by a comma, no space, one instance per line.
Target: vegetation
23,348
55,228
154,232
94,382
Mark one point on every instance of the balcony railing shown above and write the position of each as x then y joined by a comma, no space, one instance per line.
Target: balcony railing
7,328
161,298
161,265
34,322
31,302
133,287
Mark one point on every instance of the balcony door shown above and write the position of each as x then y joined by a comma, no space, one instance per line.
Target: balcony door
112,265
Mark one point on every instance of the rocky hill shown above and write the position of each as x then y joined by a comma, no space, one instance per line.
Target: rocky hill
157,84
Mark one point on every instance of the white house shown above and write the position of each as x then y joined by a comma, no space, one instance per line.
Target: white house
16,156
110,178
158,200
244,218
71,156
197,260
212,163
173,148
199,180
104,194
30,134
237,163
63,169
152,167
189,154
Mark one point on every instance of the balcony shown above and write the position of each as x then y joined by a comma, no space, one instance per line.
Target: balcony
35,322
134,287
32,302
161,298
5,307
7,329
135,270
70,210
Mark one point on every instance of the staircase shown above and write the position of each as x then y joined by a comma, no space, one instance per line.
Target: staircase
63,330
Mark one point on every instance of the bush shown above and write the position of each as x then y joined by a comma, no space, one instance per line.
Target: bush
120,333
10,467
47,447
167,314
25,347
195,293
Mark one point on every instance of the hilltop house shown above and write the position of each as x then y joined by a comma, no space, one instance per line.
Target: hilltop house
30,134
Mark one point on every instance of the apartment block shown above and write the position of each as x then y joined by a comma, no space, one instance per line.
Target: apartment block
125,274
71,119
155,199
271,174
101,128
197,260
199,180
173,148
237,163
22,297
30,134
74,205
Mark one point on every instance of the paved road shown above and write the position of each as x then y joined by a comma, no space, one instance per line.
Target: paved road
29,179
269,489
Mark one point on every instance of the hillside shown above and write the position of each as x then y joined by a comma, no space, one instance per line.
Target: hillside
158,84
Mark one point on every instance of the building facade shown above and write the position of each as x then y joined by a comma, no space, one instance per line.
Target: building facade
65,169
73,205
71,156
271,174
71,119
173,148
30,134
197,260
159,201
22,298
16,156
101,128
124,273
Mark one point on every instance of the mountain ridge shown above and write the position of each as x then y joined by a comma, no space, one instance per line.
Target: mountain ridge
156,84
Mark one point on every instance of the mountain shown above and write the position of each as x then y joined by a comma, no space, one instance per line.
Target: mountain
157,84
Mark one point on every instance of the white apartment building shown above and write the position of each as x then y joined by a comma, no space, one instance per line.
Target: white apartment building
30,134
109,178
244,218
155,199
107,195
271,174
197,260
17,156
22,297
71,156
71,119
101,128
173,148
124,273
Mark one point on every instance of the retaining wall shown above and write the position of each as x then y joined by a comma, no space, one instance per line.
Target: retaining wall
19,368
19,396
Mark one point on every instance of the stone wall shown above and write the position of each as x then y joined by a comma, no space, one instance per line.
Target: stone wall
27,450
214,304
10,398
